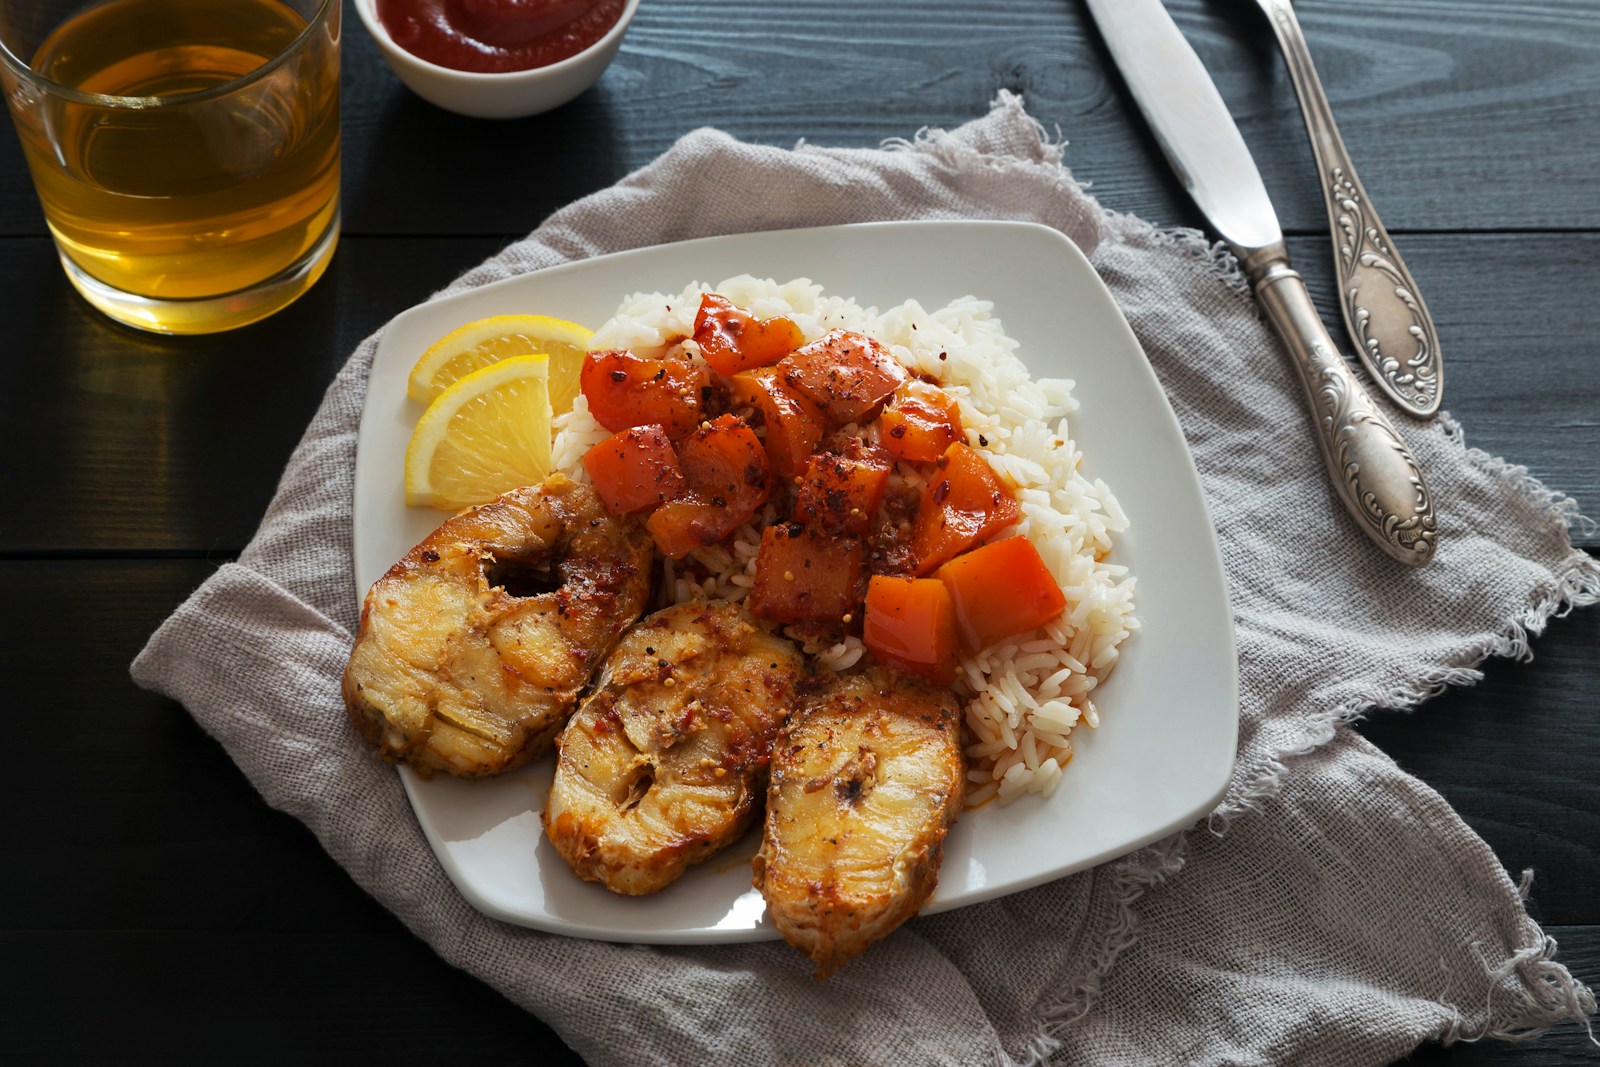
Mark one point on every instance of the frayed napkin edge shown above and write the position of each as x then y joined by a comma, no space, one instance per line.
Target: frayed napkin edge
1545,992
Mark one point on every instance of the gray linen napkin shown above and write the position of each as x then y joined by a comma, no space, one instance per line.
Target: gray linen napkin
1334,910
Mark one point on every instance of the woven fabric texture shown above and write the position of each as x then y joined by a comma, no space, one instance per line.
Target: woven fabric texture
1334,910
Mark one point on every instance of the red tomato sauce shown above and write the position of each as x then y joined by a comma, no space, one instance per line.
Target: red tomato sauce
494,36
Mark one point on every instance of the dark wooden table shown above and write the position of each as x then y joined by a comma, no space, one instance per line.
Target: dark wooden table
153,906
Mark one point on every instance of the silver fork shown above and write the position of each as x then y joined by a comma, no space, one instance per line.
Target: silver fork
1383,311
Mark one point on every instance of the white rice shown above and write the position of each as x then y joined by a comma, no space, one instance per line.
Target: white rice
1026,695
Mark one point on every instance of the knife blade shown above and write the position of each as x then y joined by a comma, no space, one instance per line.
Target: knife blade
1372,471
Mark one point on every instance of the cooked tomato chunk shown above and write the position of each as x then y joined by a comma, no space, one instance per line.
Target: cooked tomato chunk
793,421
725,480
1000,589
919,422
848,373
634,470
681,526
804,575
723,461
733,340
841,493
910,624
964,503
625,390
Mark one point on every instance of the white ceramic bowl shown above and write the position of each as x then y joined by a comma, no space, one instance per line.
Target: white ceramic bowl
510,95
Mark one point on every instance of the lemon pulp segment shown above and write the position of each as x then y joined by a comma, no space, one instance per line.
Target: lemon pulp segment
485,434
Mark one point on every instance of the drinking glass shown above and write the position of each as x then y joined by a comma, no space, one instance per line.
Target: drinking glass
186,152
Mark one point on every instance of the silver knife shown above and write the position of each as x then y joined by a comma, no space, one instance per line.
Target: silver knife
1383,312
1372,470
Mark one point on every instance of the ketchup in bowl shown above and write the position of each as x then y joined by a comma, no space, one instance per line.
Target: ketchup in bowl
495,36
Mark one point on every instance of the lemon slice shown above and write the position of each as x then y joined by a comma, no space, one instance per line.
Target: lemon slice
485,435
478,344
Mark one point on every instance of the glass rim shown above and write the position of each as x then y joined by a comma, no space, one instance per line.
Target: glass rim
150,103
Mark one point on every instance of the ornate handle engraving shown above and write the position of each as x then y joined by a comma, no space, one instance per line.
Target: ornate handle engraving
1372,470
1383,312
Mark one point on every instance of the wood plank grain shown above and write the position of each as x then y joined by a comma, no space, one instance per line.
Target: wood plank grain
1444,105
1515,756
1513,314
144,872
121,440
187,996
320,998
1434,105
1460,115
143,444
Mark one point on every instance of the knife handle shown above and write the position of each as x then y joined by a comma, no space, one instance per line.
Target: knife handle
1384,313
1372,470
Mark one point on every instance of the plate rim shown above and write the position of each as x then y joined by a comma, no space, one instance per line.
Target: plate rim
762,929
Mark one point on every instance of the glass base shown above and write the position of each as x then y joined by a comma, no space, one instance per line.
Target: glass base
212,314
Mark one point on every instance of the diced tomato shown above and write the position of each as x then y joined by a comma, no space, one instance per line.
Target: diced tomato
804,575
910,624
964,502
634,470
724,462
733,340
725,480
792,420
625,390
839,492
681,526
919,422
1000,589
848,373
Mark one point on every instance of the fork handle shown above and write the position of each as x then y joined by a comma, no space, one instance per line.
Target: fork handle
1373,472
1384,313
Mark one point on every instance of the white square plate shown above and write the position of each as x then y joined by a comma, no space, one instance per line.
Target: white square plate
1163,754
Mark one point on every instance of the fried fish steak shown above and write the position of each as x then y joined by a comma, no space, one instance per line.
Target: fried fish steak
865,784
473,648
665,763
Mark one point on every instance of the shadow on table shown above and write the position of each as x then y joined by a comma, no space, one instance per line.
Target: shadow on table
413,168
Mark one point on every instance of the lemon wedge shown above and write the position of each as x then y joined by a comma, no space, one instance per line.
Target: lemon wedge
484,435
479,344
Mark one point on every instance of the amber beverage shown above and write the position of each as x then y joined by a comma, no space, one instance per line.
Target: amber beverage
186,152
